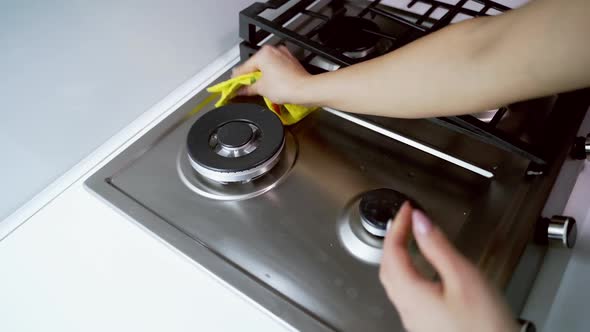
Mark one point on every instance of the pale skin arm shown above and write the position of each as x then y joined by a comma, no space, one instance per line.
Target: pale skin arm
537,50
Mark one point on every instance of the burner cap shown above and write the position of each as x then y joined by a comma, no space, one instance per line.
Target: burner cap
235,143
348,33
379,206
235,134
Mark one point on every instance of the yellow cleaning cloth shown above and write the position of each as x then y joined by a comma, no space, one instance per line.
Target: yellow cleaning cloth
288,113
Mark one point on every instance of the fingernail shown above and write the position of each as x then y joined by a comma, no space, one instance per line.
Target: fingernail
388,227
420,223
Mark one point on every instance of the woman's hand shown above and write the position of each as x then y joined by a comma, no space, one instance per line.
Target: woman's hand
461,302
282,75
494,61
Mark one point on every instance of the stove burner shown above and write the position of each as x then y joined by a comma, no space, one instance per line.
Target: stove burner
235,143
350,35
379,206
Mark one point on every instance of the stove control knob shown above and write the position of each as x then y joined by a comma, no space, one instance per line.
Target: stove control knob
378,207
558,230
581,148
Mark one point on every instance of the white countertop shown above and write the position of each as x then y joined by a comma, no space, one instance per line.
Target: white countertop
78,265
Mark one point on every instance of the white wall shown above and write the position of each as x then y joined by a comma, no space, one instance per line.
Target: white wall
73,73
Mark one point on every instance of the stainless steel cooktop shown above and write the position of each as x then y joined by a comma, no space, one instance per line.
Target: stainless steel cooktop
289,233
292,239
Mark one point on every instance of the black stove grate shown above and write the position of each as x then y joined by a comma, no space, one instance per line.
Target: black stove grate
254,27
410,24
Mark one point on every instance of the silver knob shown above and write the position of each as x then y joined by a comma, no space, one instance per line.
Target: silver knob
562,230
587,146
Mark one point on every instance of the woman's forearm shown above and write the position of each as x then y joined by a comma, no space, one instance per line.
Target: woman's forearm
468,67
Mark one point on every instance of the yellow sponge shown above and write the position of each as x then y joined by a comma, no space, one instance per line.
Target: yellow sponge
288,113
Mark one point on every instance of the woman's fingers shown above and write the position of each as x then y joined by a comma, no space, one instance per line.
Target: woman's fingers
285,50
248,90
402,282
425,305
395,246
439,251
282,78
267,53
251,65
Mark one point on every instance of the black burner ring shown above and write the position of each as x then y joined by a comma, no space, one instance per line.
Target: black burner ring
269,137
349,34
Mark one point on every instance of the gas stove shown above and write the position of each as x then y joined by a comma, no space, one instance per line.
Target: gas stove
293,217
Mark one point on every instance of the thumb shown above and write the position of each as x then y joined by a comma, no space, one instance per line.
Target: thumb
451,266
